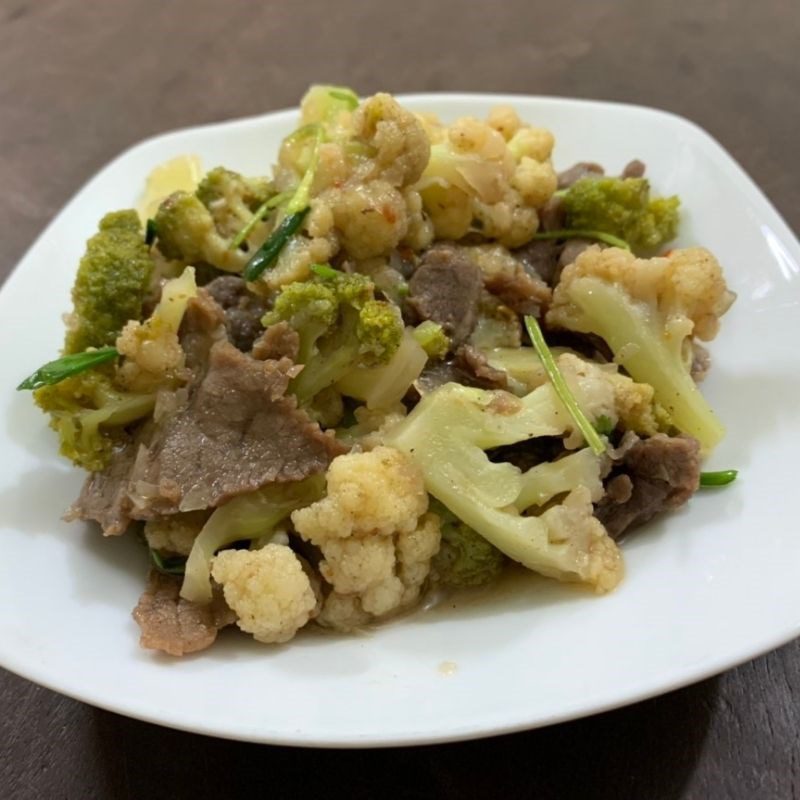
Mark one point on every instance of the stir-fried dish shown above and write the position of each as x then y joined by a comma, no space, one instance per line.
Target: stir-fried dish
410,356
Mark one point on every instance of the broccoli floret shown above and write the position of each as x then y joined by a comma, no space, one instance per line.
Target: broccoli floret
341,328
622,207
88,413
432,338
203,227
648,311
232,198
112,280
248,516
447,433
465,558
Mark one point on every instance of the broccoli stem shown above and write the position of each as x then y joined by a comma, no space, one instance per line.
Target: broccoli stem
268,253
721,478
637,339
608,238
65,367
562,390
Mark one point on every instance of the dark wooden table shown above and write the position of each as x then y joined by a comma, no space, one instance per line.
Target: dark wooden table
79,82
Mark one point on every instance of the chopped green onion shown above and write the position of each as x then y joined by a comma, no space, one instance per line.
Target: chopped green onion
301,195
169,566
258,215
721,478
347,96
607,238
65,367
150,232
267,254
324,271
562,390
296,210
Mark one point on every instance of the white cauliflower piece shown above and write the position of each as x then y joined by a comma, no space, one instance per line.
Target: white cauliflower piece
268,589
375,537
648,311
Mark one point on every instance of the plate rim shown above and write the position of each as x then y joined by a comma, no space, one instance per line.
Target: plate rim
647,689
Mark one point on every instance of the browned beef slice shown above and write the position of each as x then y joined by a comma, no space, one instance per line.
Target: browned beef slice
482,374
634,169
583,169
174,625
553,214
571,250
278,341
202,325
541,258
104,496
520,289
243,310
701,362
237,432
446,288
663,473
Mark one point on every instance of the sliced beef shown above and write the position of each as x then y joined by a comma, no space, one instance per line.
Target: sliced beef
654,475
446,288
173,625
634,169
277,342
104,496
541,258
701,362
553,214
243,310
237,432
525,455
478,370
521,289
571,249
583,169
203,324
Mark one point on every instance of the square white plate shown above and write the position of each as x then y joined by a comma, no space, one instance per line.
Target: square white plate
706,588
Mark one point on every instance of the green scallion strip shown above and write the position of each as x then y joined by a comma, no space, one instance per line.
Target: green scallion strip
607,238
721,478
301,196
325,272
267,254
296,210
169,566
346,96
150,232
65,367
258,215
562,390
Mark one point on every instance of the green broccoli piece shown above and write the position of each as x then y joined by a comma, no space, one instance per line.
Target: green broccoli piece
465,558
207,226
623,208
89,413
341,328
432,338
113,278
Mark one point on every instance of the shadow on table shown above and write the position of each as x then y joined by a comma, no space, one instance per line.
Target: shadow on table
648,750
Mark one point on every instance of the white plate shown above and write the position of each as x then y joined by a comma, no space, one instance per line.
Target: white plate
709,587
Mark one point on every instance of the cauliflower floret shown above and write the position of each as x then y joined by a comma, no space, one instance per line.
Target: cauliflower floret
375,537
380,492
487,178
648,311
371,218
153,354
175,533
268,589
401,146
